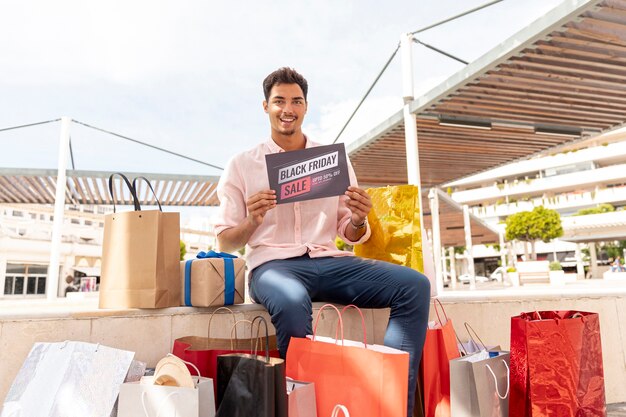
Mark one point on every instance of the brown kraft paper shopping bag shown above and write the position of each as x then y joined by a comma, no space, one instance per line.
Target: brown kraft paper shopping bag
140,258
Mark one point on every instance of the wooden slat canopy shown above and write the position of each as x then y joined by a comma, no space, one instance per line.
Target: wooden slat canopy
564,74
38,186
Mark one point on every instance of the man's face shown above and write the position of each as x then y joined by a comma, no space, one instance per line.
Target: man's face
286,108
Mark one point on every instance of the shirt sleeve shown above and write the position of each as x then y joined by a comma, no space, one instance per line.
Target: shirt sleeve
230,192
344,213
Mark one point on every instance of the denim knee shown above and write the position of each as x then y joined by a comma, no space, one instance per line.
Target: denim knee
416,286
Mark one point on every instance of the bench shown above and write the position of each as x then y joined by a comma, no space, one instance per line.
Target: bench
533,272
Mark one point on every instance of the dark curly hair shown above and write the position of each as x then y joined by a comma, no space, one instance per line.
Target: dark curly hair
284,75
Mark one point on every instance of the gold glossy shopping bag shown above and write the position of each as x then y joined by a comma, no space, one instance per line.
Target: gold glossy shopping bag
395,224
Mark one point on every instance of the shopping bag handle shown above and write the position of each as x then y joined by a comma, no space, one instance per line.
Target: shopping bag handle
508,380
436,303
362,323
160,407
131,188
339,408
234,328
260,320
211,318
468,328
149,186
319,313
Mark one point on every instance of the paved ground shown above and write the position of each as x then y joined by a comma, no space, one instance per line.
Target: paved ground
616,410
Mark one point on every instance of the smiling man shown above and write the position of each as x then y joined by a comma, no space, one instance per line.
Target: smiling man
290,248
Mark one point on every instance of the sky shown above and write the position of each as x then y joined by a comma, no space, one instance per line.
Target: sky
186,75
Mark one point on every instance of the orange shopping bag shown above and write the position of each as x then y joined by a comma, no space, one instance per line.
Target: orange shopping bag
439,348
370,380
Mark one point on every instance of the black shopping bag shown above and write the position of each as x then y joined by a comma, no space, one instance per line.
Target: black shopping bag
249,385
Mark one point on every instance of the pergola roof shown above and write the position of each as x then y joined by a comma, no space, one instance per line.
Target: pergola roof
603,227
565,72
38,186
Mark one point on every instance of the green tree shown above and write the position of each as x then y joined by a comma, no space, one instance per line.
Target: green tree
602,208
530,226
183,250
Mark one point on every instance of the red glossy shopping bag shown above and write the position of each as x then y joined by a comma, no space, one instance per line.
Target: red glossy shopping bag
556,365
370,380
439,348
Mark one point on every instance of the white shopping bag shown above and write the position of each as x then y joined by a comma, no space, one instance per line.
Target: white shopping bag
67,379
479,385
301,398
144,399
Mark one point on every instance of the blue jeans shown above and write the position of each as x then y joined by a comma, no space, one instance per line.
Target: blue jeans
287,288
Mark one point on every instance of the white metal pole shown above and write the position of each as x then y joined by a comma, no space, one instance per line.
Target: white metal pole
580,268
52,282
502,252
452,267
410,122
410,137
434,215
593,260
468,246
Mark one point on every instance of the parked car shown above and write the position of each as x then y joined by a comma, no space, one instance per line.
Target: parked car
465,278
499,274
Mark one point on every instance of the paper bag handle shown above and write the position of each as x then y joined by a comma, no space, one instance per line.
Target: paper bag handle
508,380
234,328
362,323
339,408
149,186
436,303
468,328
319,313
160,408
131,188
211,318
260,320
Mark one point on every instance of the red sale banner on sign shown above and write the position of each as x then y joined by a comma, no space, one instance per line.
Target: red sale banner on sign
308,173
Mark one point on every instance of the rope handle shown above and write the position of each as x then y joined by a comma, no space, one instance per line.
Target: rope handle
362,323
339,408
151,189
468,328
211,318
260,320
495,380
131,188
319,313
160,407
234,328
436,303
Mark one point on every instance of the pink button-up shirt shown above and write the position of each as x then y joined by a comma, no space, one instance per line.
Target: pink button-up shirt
289,229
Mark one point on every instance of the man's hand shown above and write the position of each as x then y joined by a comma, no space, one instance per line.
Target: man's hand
259,204
359,203
236,237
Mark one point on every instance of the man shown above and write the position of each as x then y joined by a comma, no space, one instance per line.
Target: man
290,247
616,266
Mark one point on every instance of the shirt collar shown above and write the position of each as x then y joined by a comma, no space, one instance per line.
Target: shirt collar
274,148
